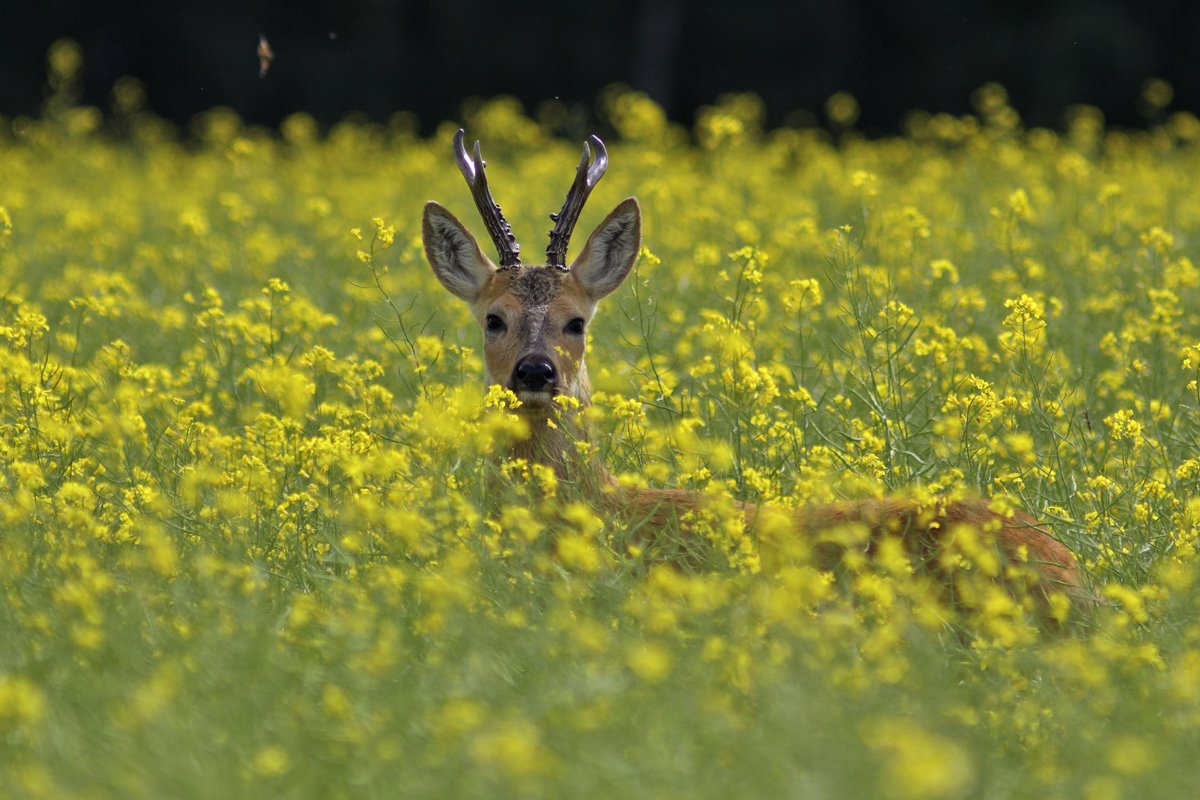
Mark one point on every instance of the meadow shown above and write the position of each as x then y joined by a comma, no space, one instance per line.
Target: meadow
258,537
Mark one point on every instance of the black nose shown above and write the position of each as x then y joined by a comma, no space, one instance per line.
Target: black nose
534,374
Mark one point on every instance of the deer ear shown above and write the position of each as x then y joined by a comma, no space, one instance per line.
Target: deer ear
454,254
610,251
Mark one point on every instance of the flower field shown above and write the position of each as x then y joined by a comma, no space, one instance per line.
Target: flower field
258,537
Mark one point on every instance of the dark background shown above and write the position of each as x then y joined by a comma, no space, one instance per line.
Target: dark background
378,57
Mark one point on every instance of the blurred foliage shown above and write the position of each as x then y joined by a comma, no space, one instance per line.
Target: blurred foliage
258,537
372,58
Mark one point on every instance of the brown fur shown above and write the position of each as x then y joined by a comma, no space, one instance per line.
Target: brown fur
923,530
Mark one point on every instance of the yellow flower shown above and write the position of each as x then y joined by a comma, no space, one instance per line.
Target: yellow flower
1122,427
802,294
515,748
271,761
21,702
918,763
1018,205
649,661
384,234
944,268
1131,755
842,109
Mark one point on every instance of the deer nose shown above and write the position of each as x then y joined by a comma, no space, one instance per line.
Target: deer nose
534,374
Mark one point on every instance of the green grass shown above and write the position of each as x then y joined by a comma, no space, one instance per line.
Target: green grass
253,541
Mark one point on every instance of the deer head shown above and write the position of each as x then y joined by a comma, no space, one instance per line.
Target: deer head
534,318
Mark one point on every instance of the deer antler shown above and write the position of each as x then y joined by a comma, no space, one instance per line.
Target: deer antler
497,225
586,178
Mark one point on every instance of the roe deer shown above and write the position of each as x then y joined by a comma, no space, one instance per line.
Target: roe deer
534,320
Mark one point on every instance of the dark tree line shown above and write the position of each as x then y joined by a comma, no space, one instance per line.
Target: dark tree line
380,56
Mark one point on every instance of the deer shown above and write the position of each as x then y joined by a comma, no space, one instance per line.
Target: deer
534,320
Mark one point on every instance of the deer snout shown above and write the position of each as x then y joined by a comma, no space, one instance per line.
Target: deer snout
534,374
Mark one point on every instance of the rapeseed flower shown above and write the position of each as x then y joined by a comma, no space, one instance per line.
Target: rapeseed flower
259,509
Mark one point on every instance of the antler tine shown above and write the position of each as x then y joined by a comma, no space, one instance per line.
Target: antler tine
497,226
587,175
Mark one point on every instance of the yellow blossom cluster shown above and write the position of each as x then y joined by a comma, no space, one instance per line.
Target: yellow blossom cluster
262,532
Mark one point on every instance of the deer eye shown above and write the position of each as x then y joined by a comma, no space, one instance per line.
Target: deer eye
494,324
575,326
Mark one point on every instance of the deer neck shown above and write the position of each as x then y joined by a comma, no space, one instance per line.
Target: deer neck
551,442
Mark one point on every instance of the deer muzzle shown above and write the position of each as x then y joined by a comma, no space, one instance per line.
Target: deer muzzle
534,375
